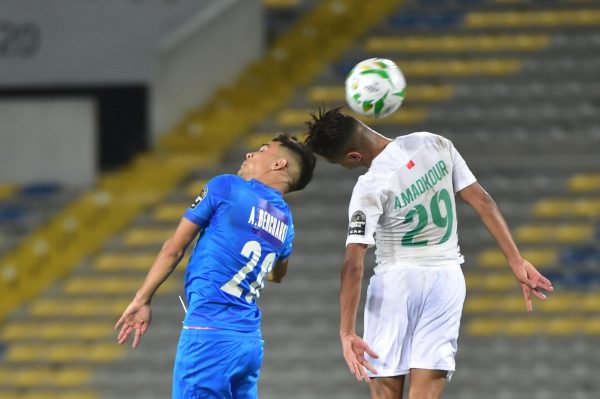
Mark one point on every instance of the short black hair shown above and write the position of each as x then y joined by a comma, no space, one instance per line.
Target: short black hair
307,160
330,133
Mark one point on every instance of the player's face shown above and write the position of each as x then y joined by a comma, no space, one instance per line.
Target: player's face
259,162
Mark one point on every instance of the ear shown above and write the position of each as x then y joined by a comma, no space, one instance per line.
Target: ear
354,156
279,164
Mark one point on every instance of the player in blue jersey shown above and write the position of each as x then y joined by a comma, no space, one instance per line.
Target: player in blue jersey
246,234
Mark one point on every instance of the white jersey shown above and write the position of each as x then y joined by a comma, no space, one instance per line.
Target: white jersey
405,204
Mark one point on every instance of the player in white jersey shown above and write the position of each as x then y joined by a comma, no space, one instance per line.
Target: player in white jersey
405,206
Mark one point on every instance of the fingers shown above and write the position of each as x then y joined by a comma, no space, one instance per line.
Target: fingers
120,322
136,338
370,352
527,296
124,334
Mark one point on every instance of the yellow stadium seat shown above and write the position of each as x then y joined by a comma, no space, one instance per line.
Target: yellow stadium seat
455,43
522,327
562,326
194,188
512,304
552,208
559,303
570,233
589,208
7,190
540,257
455,67
147,236
591,326
589,302
574,233
323,94
484,327
63,352
511,19
491,281
56,331
480,304
124,261
585,183
170,212
80,307
280,3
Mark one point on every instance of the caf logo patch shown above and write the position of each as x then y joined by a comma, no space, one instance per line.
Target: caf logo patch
200,197
358,223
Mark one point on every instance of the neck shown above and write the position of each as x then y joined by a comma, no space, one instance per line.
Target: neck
273,182
373,144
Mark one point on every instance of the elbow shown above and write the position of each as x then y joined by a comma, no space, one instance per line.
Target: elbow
171,251
275,278
352,270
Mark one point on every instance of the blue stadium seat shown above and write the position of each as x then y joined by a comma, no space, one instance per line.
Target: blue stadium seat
430,20
39,189
11,213
579,255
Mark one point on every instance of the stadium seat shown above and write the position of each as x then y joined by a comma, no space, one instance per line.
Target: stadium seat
425,93
450,44
53,331
79,307
147,237
549,18
7,190
484,327
170,212
116,261
585,183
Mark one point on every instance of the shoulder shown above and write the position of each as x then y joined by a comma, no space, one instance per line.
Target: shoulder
371,183
222,184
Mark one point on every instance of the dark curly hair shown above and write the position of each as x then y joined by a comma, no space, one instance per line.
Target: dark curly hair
331,133
306,156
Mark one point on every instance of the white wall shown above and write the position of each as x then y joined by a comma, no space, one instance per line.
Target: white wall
48,140
203,54
85,41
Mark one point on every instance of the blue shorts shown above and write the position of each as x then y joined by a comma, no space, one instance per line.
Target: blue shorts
217,364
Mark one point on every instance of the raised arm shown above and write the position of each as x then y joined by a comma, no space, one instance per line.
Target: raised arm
530,279
137,316
353,346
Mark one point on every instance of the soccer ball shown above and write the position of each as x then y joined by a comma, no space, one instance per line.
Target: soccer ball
375,87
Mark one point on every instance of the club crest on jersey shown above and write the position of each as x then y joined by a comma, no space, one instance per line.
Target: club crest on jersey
200,197
358,223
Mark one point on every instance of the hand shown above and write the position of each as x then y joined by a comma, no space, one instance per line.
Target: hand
354,349
531,282
136,318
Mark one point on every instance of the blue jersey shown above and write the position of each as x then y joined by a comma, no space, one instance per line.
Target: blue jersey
247,227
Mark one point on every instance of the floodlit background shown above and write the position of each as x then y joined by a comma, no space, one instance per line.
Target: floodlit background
113,113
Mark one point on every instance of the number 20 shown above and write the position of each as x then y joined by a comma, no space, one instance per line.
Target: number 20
251,250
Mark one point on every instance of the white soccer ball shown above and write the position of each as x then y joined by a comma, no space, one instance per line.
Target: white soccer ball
375,87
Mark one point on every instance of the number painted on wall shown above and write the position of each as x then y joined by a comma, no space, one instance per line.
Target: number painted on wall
19,39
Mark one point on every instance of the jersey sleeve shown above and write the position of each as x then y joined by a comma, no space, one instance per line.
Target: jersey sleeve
461,174
286,250
213,194
366,206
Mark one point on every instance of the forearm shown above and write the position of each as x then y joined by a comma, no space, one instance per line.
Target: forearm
496,224
166,261
351,278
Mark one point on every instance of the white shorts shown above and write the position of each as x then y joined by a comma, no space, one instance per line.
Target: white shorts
412,317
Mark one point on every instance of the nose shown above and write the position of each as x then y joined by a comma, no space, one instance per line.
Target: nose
248,155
